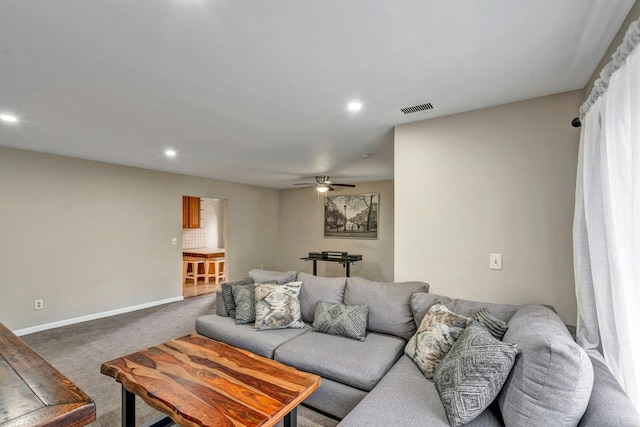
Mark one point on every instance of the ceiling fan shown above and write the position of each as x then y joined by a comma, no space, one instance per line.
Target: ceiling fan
323,184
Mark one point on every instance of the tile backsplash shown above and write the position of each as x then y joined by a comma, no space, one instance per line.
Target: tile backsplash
194,238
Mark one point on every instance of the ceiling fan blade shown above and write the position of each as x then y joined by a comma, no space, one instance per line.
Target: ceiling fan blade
305,183
308,186
344,185
331,188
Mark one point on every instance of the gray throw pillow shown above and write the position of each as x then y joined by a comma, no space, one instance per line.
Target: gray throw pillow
340,319
472,373
245,302
496,327
245,299
227,295
439,329
278,306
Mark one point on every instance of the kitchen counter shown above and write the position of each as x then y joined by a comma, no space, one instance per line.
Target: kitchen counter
204,252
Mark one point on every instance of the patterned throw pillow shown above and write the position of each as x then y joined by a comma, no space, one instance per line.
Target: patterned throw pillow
438,331
278,306
341,319
227,295
495,326
245,299
472,373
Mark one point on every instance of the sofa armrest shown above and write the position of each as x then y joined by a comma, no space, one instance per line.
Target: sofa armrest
608,404
221,310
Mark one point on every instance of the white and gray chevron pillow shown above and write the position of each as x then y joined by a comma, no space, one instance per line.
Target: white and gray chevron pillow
472,373
341,319
244,298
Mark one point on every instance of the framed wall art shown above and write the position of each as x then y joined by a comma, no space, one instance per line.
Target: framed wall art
352,217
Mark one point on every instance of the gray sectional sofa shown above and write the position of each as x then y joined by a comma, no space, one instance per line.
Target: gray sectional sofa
372,382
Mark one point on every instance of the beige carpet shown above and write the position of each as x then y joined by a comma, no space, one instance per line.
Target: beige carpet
78,351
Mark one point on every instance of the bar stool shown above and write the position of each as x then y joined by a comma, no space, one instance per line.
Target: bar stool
194,274
214,268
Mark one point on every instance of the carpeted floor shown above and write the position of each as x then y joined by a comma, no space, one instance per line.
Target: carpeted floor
78,351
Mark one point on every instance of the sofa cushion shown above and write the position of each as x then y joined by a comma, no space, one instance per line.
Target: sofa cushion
227,295
439,330
334,398
472,373
278,306
264,276
262,343
316,289
388,303
341,319
421,302
608,404
495,326
404,397
551,381
359,364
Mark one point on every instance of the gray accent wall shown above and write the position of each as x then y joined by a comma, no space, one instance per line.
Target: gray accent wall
301,232
90,237
495,180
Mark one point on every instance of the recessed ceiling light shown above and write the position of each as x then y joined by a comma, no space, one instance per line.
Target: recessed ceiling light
365,155
170,153
9,118
354,106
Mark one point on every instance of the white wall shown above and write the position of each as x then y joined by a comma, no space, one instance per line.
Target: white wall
91,237
212,222
499,179
301,232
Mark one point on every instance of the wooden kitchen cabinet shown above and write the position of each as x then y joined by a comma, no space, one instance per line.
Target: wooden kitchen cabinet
190,212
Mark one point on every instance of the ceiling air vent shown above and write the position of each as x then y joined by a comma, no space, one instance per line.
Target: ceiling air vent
416,108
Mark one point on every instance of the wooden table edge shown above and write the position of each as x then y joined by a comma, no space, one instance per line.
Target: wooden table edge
32,370
83,414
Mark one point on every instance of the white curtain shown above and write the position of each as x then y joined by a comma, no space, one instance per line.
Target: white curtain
607,219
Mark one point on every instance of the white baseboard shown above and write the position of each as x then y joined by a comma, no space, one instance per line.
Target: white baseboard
88,317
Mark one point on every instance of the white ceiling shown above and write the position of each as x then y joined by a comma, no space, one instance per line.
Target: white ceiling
255,91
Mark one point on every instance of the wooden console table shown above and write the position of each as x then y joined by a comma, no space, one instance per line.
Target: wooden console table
34,393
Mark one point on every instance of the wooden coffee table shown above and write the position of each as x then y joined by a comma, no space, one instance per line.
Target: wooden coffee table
196,381
33,393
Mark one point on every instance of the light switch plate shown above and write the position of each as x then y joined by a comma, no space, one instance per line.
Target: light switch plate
495,261
174,240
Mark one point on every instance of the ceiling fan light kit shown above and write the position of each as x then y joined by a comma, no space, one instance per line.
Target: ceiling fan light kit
323,184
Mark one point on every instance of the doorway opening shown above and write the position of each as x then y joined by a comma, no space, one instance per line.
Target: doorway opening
204,245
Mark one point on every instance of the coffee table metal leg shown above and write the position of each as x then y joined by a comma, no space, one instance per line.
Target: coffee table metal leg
128,409
291,419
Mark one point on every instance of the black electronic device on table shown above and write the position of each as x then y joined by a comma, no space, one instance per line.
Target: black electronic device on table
344,258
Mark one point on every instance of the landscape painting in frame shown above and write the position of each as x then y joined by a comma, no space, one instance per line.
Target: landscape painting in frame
352,217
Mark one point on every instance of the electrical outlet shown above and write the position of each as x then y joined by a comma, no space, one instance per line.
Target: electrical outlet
261,266
39,304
